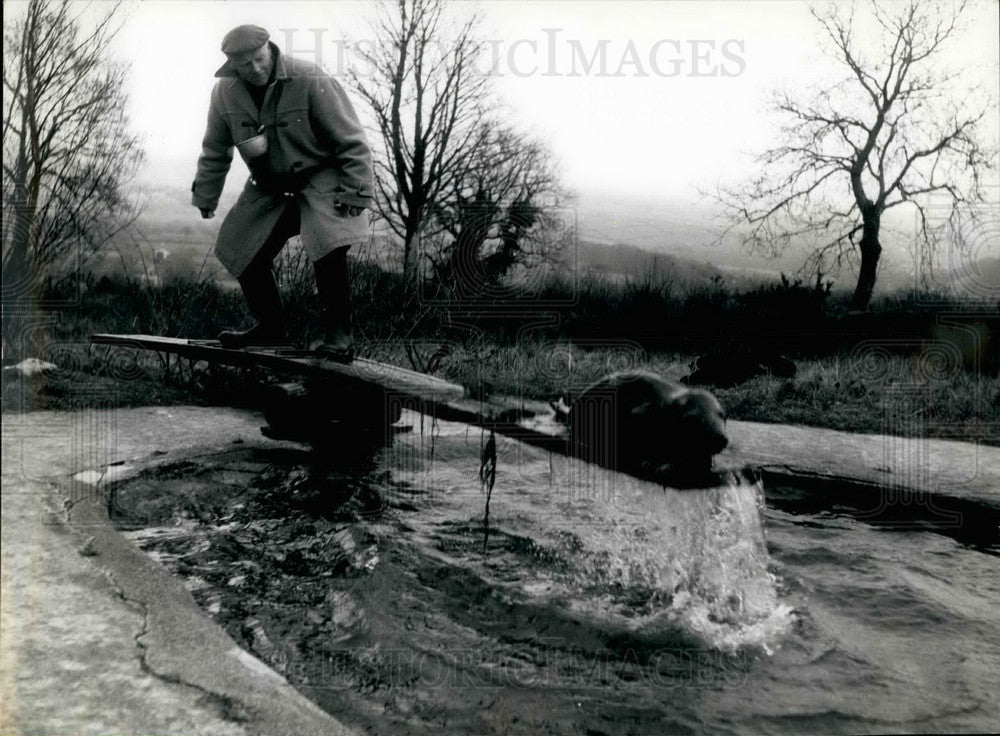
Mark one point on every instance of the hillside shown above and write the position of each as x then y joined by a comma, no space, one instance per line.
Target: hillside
617,238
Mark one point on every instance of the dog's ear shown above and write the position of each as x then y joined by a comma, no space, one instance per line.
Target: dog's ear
698,403
561,409
642,409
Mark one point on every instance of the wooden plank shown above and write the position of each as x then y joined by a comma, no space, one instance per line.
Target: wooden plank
432,396
297,362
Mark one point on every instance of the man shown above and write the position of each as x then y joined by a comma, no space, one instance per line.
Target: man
311,173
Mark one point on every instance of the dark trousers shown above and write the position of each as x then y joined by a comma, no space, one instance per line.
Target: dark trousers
261,290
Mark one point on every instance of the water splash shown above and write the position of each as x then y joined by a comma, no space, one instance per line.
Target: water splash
626,554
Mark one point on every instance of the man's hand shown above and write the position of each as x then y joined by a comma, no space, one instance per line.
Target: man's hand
207,214
348,209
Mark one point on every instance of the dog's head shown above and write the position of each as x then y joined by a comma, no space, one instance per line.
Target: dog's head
692,420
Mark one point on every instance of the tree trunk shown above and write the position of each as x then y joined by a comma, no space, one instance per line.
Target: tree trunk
871,250
408,265
410,245
18,274
412,222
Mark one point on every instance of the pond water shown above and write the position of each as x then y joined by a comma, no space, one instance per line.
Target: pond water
599,604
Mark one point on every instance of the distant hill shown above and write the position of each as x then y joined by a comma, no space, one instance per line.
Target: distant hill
630,237
169,216
620,261
617,237
692,230
977,279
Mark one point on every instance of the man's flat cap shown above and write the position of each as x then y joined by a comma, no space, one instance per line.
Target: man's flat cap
244,38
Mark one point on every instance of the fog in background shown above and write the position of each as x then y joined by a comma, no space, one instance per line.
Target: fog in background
676,105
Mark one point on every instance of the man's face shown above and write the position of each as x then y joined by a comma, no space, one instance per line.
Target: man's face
253,67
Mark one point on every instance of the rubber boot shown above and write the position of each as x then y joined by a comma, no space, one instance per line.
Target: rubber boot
334,287
264,302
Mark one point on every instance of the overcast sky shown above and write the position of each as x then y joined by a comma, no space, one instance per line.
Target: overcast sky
676,103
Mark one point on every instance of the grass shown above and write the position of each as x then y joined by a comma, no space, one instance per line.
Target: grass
839,393
866,379
849,394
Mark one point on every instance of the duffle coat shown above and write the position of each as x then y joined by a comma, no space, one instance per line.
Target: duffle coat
310,126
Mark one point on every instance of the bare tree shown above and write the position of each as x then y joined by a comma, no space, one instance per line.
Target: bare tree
498,215
892,132
67,151
428,99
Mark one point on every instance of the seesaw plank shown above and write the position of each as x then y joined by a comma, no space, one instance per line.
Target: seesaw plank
297,362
